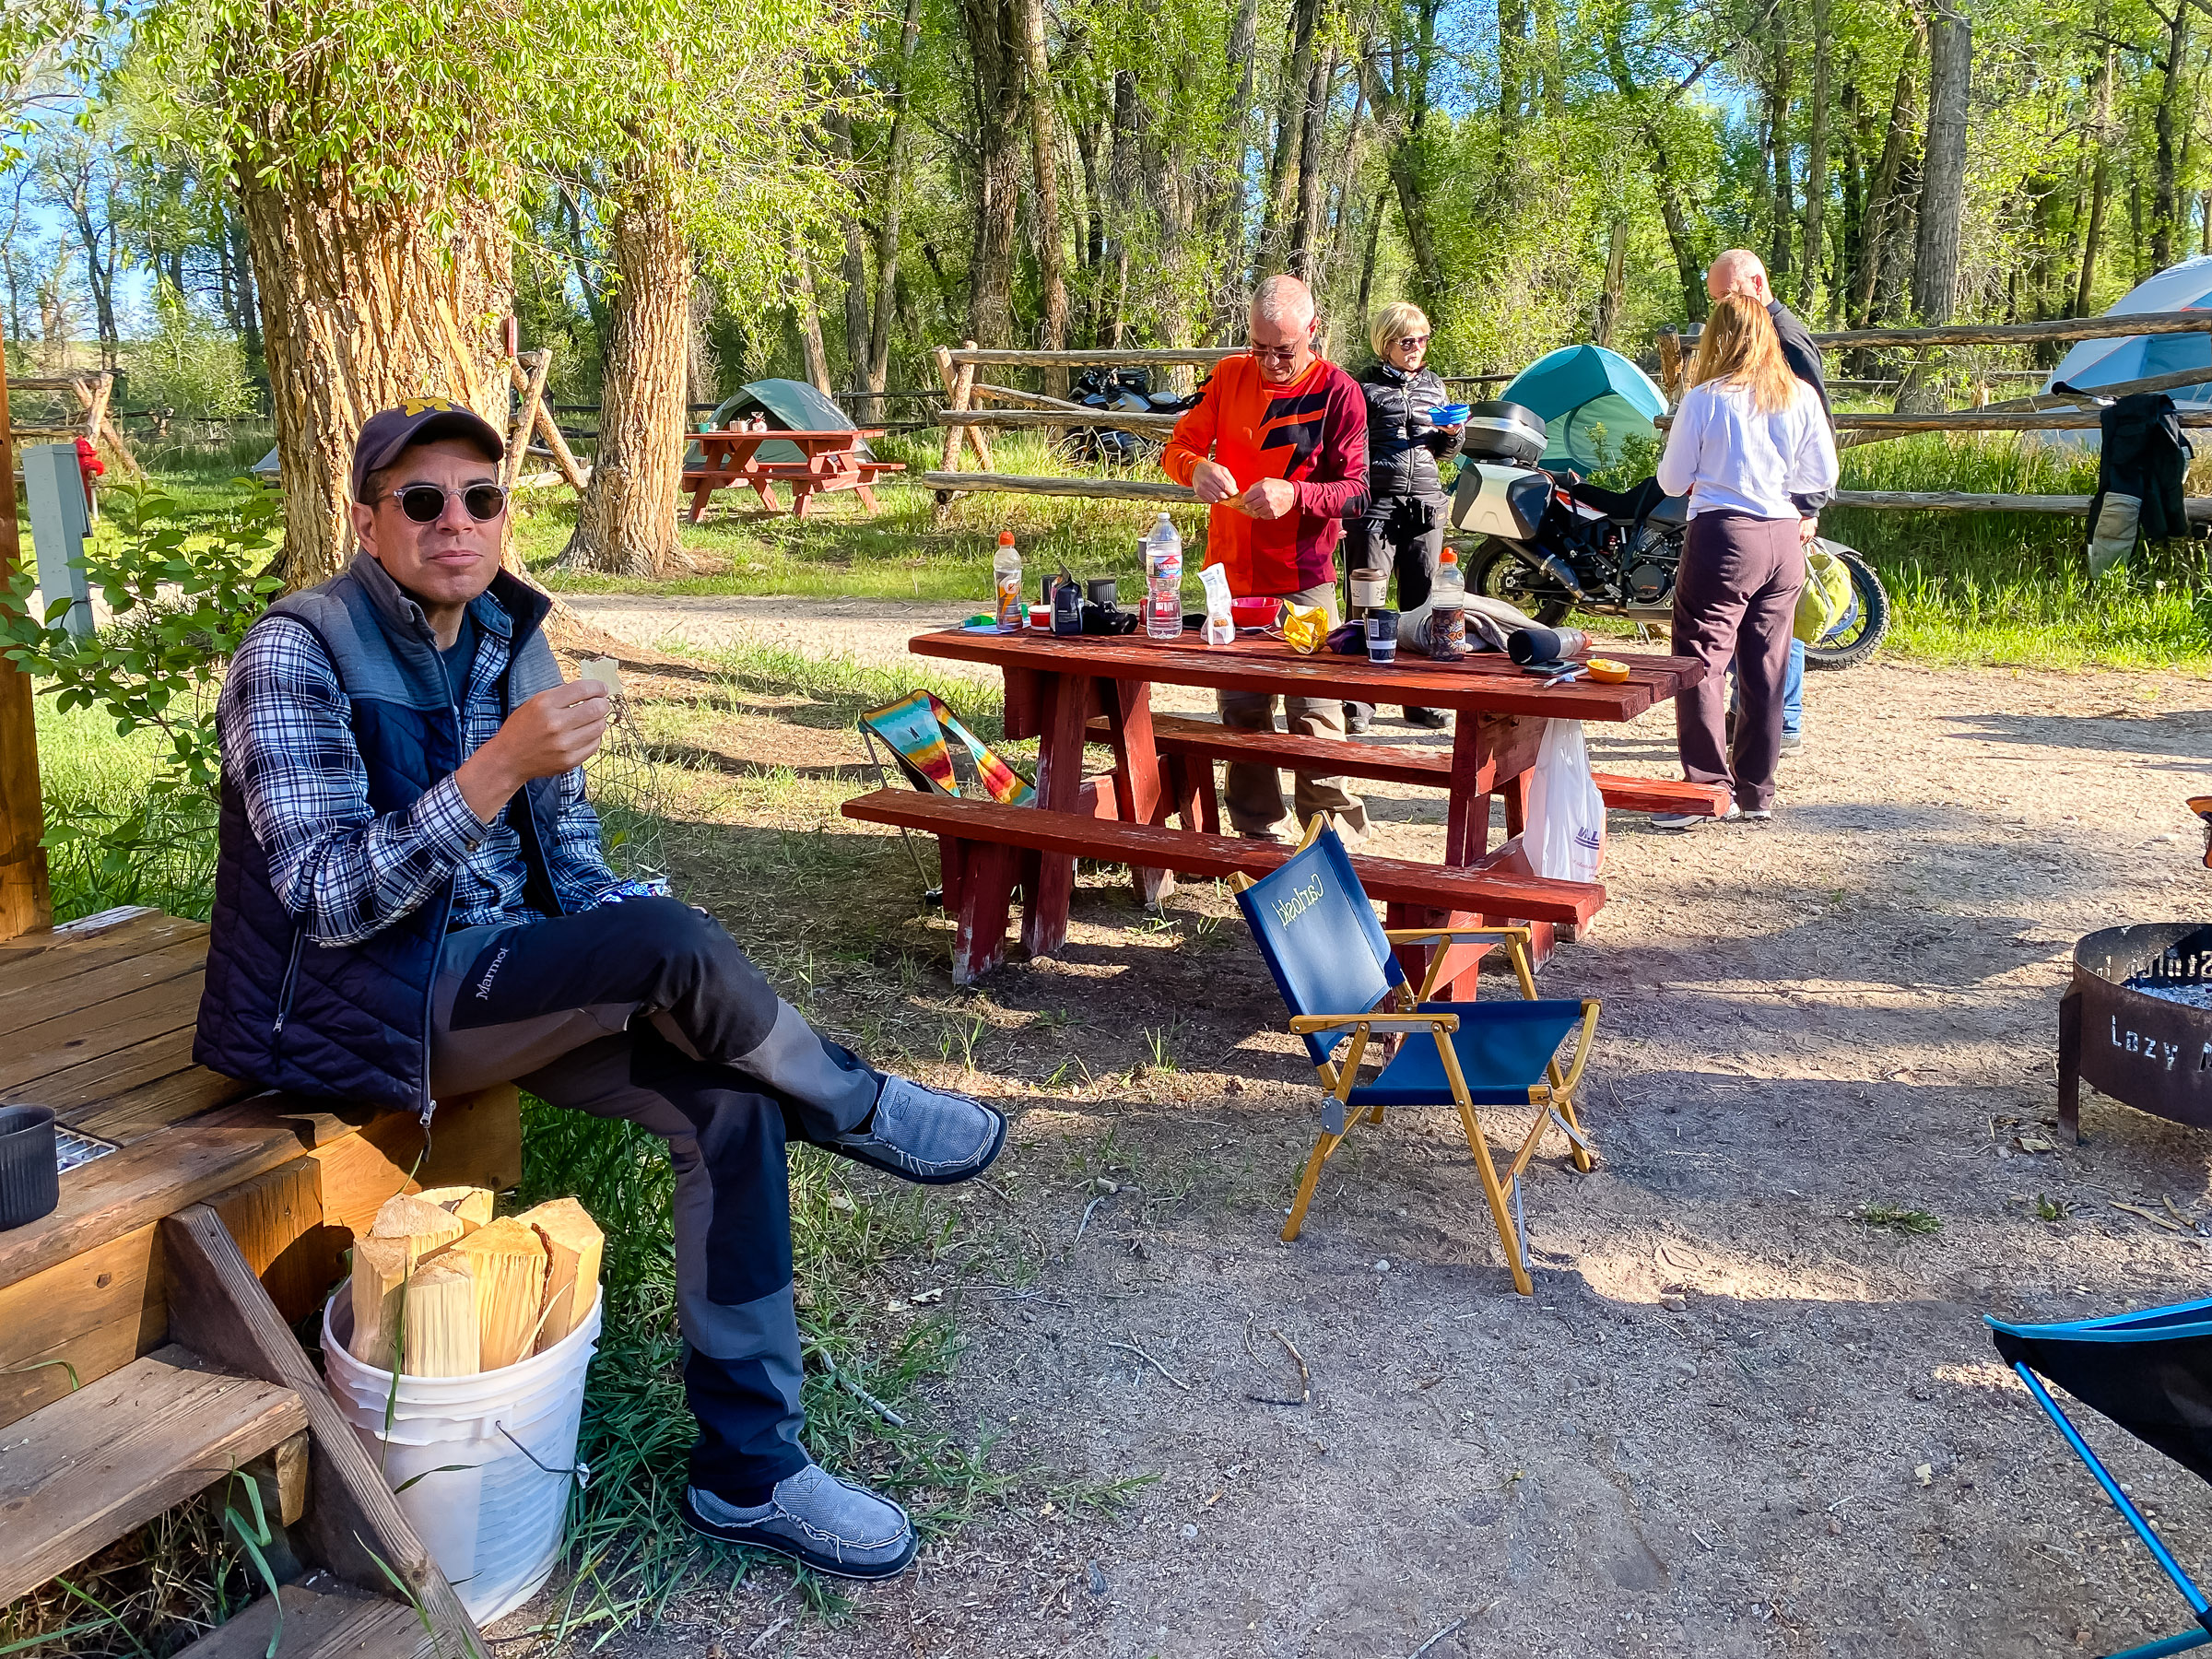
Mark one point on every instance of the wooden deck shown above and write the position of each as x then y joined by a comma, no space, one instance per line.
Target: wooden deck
96,1020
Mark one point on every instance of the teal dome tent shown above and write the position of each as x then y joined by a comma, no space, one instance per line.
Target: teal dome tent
1591,400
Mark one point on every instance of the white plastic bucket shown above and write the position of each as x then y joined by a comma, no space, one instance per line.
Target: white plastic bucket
493,1524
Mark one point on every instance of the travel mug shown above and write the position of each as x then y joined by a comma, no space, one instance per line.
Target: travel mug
1382,636
31,1172
1370,589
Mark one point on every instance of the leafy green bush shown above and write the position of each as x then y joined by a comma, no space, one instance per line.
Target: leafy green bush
179,599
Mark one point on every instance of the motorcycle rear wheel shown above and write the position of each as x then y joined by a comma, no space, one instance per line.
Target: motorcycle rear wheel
1864,626
1496,571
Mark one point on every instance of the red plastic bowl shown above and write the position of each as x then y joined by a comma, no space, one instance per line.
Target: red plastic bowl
1254,613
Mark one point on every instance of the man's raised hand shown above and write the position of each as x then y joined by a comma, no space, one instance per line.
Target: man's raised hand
1212,482
555,732
1271,498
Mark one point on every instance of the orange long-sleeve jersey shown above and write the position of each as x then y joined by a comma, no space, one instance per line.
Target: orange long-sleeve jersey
1312,432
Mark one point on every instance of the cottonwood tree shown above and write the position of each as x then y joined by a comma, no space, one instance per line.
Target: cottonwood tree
373,146
688,137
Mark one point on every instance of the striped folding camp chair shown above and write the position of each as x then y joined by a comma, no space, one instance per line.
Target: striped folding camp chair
2151,1373
932,751
1333,962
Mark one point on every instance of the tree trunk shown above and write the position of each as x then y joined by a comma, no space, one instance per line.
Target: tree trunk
1305,229
1882,218
1375,217
1513,69
626,521
1857,143
1681,240
1816,156
1044,158
1617,275
361,307
853,263
2100,183
1284,167
2174,115
994,30
809,310
1943,170
249,305
1400,111
1348,179
1784,195
894,199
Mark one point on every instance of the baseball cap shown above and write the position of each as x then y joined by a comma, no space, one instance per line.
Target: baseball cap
388,433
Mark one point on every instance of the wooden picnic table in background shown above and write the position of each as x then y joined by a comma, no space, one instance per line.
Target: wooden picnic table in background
833,461
1056,686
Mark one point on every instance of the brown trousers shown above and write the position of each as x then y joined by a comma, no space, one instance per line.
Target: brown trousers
1737,598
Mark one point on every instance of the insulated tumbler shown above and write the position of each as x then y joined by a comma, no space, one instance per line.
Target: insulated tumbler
1382,636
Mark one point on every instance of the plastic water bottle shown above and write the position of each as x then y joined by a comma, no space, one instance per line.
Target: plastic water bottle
1163,580
1448,611
1013,609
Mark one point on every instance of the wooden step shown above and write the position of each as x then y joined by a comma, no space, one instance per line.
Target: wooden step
321,1623
78,1474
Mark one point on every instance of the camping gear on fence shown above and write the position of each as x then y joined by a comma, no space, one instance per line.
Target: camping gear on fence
1333,964
2093,363
919,732
1566,816
31,1170
480,1465
1591,402
2140,468
2150,1373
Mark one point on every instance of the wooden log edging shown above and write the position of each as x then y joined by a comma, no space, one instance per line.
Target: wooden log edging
2023,334
1102,489
1893,501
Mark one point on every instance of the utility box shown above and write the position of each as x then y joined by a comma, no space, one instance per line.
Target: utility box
53,487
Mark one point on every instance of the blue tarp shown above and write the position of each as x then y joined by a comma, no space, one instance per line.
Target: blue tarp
1591,400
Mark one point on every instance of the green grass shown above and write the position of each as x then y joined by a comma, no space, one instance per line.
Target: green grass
1900,1219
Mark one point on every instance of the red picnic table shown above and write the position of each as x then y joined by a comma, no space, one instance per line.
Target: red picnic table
1071,691
832,461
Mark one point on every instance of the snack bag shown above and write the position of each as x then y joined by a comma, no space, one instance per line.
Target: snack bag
1221,629
1305,630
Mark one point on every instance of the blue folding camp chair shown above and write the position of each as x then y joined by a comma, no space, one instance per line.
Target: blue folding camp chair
2151,1373
1332,961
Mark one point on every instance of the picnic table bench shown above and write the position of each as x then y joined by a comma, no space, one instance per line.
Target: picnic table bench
1070,692
830,461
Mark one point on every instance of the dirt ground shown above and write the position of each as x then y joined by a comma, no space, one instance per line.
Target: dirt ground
1734,1418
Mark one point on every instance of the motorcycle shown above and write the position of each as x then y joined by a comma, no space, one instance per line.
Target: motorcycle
1119,391
1545,546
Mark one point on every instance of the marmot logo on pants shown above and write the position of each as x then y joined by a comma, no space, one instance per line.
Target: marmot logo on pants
483,984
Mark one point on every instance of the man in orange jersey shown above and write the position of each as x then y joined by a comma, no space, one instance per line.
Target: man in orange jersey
1277,449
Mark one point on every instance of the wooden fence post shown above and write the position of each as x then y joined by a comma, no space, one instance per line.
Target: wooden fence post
1670,364
25,901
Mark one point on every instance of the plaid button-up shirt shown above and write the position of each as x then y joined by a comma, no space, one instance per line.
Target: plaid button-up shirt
286,729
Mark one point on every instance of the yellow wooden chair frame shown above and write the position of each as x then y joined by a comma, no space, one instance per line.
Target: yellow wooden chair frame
1554,1098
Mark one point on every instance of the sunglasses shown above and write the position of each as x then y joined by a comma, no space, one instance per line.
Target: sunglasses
1276,353
1414,342
424,503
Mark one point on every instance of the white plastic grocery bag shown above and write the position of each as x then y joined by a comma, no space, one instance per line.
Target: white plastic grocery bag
1566,835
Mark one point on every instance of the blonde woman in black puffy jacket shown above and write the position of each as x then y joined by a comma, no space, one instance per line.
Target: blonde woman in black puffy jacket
1401,526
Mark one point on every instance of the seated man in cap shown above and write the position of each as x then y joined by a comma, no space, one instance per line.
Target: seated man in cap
411,903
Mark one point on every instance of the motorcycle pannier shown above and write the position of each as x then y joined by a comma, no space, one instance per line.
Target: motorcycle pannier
1508,502
1504,431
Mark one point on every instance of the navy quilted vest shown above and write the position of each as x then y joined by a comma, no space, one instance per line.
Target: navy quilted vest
352,1022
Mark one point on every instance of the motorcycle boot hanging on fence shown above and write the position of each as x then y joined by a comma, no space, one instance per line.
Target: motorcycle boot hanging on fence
1546,546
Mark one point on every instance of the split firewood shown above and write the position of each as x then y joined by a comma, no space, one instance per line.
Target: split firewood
441,1339
425,1228
470,1206
573,1244
380,1269
509,1264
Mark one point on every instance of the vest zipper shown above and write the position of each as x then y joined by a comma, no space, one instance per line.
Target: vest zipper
291,975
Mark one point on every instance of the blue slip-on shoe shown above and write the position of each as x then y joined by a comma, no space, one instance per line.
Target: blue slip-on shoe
928,1136
816,1518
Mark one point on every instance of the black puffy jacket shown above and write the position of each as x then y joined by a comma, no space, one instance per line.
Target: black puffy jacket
1401,447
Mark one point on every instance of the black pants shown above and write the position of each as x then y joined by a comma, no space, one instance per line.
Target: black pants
648,1010
1405,534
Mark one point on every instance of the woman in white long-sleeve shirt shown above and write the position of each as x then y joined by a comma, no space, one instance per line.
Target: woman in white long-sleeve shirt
1751,448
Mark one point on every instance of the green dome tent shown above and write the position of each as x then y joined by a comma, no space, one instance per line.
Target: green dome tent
1591,400
793,405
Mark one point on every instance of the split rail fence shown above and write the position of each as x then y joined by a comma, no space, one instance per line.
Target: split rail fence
968,427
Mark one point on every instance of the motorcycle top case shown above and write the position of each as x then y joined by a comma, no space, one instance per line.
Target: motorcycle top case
1509,501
